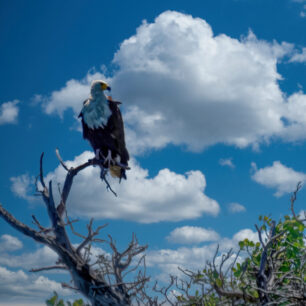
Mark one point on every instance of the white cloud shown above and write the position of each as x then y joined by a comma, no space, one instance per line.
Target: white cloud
17,286
200,89
166,197
295,117
22,303
72,95
303,11
299,57
227,162
9,243
194,258
236,208
192,235
41,257
245,234
23,187
9,112
279,177
179,81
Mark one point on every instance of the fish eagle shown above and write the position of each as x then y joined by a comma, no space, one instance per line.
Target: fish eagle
103,126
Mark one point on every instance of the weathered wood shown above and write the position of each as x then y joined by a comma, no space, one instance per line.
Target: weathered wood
85,279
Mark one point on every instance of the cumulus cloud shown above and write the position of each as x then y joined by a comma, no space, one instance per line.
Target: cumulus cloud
37,259
295,117
227,162
166,197
279,177
201,89
9,112
246,234
9,243
190,87
71,95
236,208
17,286
192,235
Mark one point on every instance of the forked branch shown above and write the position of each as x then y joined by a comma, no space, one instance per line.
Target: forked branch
85,277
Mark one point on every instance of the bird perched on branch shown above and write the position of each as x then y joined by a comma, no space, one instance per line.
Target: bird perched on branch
103,127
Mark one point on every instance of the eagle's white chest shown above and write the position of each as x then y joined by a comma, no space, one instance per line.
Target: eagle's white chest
96,113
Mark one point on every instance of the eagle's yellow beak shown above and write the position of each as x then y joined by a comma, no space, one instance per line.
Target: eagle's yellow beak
104,86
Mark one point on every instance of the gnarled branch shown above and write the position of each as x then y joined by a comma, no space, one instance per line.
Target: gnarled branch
84,276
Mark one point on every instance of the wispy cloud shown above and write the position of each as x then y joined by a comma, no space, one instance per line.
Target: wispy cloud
227,162
303,10
299,57
236,208
9,112
23,187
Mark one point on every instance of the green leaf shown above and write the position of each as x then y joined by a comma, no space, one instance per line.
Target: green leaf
284,268
53,300
78,302
219,282
301,227
60,303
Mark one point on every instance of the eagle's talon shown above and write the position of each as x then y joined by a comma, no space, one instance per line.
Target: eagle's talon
108,159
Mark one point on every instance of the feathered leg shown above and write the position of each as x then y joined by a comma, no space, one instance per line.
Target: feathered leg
98,154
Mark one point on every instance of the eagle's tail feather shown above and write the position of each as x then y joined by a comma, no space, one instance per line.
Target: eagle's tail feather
117,171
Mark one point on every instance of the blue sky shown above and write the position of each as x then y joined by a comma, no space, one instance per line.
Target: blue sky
214,106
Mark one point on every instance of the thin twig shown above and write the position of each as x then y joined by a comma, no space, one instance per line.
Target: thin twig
60,159
48,268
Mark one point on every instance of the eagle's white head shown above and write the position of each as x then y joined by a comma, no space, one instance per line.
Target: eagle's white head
97,87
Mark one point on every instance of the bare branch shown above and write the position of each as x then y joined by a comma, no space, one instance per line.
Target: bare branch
41,171
42,229
24,229
49,268
60,159
85,278
90,236
293,199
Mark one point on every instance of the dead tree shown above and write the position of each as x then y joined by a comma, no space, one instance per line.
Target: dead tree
101,282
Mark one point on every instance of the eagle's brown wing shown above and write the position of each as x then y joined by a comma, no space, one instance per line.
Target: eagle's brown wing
115,127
